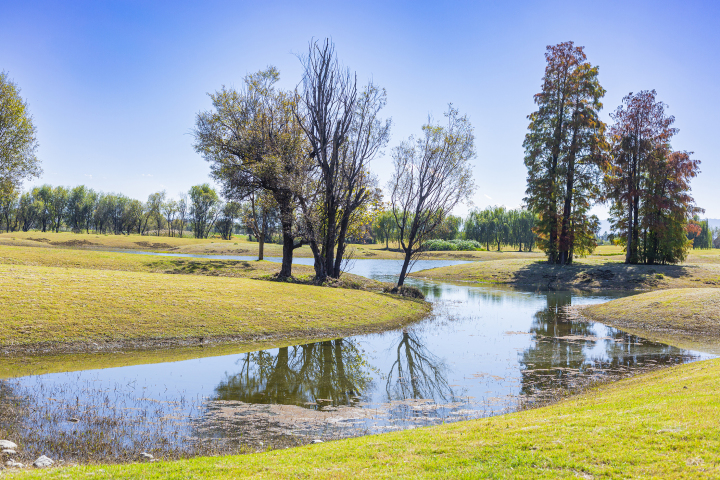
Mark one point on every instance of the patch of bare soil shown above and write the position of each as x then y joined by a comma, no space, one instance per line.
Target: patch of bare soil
41,240
75,243
155,245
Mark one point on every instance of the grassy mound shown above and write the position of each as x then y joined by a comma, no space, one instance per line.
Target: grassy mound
663,424
51,307
686,318
593,273
103,260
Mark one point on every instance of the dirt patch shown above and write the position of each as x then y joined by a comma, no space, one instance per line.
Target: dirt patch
41,240
155,245
75,243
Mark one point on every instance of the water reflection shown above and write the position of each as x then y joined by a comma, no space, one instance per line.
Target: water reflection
567,354
416,373
331,372
484,351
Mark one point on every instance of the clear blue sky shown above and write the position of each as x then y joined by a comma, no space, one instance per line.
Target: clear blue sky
114,86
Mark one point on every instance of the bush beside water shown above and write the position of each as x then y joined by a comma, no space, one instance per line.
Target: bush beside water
452,245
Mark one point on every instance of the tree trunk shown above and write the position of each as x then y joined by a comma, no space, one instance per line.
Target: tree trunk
406,264
340,246
261,242
288,244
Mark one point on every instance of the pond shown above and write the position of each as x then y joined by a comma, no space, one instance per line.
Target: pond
484,351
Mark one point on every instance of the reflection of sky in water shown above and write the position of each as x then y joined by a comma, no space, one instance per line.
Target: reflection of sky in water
483,349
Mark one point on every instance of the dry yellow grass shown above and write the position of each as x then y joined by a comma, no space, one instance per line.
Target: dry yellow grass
56,306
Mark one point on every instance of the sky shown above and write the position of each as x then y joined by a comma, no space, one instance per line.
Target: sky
114,86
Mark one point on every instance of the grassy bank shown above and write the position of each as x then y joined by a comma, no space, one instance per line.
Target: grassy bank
685,318
593,273
662,424
104,260
54,309
214,246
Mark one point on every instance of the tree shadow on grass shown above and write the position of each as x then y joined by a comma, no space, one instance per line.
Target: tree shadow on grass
607,275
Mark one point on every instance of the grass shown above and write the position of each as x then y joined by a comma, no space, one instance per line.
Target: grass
686,318
53,307
239,245
104,260
657,425
592,273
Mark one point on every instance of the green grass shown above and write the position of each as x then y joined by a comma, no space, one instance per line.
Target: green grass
657,425
215,246
60,305
686,318
104,260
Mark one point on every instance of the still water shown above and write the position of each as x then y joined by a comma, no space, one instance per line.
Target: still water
484,351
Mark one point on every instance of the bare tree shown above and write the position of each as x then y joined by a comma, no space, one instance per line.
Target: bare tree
345,134
182,212
432,175
169,210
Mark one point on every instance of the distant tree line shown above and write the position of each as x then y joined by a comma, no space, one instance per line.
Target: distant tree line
81,209
492,228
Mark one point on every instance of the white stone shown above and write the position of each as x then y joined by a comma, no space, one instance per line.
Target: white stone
7,444
42,462
317,441
9,451
146,456
13,464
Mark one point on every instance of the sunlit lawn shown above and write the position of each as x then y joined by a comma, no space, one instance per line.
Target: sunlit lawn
52,304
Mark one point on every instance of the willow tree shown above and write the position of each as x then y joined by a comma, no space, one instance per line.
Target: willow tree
254,142
564,152
432,174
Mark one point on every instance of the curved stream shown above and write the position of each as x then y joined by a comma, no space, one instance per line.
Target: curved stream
484,351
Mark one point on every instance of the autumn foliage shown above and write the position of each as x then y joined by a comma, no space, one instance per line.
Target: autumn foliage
648,184
573,160
564,154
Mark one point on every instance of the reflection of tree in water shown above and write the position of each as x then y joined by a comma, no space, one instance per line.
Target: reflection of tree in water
554,362
417,373
332,370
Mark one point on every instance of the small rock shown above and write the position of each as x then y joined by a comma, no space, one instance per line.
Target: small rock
7,444
146,456
13,464
9,451
317,441
73,420
42,462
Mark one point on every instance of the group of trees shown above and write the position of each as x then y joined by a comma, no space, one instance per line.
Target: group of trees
498,226
494,227
82,209
574,159
305,154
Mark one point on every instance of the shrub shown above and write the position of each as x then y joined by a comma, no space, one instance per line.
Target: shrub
405,291
452,245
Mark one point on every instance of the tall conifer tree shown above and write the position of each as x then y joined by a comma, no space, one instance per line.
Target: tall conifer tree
564,153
